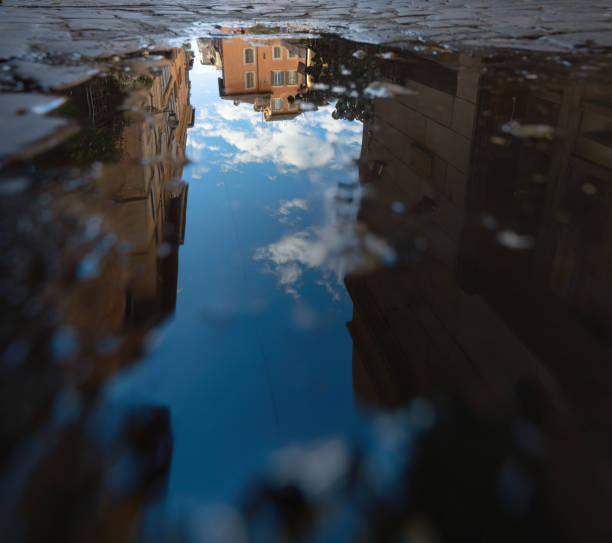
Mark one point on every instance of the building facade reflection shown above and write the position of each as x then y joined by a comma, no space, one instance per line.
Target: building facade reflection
270,74
506,216
107,273
495,192
143,198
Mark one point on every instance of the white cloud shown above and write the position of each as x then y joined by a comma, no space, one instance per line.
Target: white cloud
203,126
287,205
194,144
305,248
334,126
313,143
310,141
333,250
284,146
322,248
243,112
289,274
286,209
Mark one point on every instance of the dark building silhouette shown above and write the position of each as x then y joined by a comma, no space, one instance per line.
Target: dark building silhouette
494,191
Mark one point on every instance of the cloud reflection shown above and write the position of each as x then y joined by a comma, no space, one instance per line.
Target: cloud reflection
228,137
311,141
333,250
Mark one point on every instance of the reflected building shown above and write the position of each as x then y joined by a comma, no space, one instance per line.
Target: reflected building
107,273
144,198
501,220
270,74
146,188
494,191
210,55
415,156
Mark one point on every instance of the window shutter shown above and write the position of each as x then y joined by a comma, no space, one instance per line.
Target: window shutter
277,78
291,77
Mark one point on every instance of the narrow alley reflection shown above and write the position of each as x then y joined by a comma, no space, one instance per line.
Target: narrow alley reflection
91,263
395,321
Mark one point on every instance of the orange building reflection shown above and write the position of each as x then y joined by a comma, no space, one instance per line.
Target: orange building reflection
270,74
142,197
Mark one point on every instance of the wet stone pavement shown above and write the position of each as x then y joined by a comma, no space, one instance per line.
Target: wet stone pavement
264,283
77,27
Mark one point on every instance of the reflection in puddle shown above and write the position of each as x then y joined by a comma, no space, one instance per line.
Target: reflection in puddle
91,264
452,208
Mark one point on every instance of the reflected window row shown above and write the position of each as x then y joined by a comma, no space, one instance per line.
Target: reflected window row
278,104
248,54
279,78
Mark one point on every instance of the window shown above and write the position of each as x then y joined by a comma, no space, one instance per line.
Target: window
292,53
277,104
249,80
261,103
291,78
277,79
292,107
249,55
277,52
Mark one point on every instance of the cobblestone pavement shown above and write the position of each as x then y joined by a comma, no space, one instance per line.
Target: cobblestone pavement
76,27
47,44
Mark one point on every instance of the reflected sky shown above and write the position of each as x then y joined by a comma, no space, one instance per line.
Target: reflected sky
257,355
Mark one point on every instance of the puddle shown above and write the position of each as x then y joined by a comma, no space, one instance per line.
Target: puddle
346,292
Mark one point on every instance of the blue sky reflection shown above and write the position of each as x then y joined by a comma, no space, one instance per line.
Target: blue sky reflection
257,355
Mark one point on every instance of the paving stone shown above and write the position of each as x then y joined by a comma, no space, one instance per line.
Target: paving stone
513,22
114,26
53,77
16,47
24,125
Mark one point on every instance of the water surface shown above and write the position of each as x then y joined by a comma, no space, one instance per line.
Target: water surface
289,288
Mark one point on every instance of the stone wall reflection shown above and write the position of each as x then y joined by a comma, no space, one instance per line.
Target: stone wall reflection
494,188
97,274
147,197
